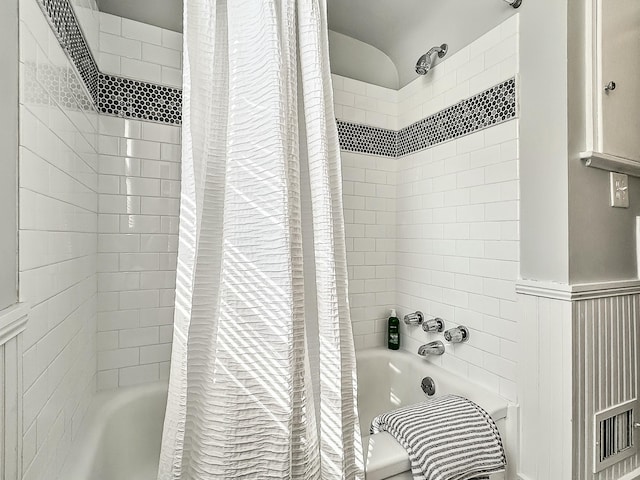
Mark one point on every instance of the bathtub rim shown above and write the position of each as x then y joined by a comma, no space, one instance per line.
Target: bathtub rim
494,404
107,402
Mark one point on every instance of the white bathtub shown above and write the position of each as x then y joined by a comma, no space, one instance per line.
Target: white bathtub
390,379
120,436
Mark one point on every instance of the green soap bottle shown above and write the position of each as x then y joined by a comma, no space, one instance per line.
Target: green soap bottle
393,331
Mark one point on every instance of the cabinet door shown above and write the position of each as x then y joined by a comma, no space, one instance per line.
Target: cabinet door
620,63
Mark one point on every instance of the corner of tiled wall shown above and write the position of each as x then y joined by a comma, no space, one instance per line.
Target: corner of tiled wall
369,196
369,193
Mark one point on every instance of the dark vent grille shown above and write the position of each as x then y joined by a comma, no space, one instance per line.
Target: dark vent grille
614,430
616,434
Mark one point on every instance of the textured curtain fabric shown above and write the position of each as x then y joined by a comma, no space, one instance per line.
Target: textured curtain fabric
263,381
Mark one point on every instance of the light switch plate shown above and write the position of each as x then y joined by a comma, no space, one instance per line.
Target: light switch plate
619,190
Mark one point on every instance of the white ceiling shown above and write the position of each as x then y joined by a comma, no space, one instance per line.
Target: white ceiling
402,29
161,13
406,29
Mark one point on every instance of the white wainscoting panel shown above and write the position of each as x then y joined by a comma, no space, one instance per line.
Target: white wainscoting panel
13,321
605,373
544,388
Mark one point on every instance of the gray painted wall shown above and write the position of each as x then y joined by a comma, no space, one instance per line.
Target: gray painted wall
8,150
602,239
602,243
569,232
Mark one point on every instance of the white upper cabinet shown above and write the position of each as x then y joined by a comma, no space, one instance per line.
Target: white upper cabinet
617,78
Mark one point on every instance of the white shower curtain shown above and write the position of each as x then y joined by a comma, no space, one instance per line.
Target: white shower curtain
263,382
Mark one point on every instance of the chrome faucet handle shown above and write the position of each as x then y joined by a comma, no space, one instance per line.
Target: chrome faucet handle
415,318
457,335
435,325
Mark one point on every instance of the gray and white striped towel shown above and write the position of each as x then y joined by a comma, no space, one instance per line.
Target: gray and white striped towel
447,438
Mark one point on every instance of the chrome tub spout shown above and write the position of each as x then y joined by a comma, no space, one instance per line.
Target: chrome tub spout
431,348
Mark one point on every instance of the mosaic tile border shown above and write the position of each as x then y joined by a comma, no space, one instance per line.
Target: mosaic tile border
123,97
64,24
486,109
135,99
111,94
365,139
495,105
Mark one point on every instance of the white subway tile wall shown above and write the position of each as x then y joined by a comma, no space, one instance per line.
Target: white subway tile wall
364,103
435,231
369,195
457,218
139,51
438,230
457,250
99,197
57,239
139,190
369,189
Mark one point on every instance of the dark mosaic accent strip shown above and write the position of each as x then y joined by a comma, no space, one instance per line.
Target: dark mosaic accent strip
144,101
65,25
124,97
491,107
366,139
111,94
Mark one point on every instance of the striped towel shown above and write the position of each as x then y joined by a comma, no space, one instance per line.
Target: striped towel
447,438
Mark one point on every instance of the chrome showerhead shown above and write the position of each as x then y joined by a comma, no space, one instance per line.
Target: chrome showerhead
425,63
514,3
